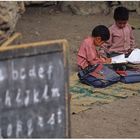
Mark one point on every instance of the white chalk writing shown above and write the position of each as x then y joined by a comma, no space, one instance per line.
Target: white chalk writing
33,96
41,72
59,114
49,72
9,130
1,76
55,92
18,97
18,128
30,127
7,99
40,121
30,97
45,93
26,101
33,72
51,121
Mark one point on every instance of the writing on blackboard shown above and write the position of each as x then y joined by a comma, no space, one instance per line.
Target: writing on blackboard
28,124
19,100
29,96
33,93
23,74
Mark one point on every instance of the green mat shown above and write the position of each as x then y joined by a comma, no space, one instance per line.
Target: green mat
84,96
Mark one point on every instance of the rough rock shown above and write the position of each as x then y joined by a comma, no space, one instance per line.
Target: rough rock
9,14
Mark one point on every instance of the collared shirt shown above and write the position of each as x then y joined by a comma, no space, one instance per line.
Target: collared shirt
121,40
88,54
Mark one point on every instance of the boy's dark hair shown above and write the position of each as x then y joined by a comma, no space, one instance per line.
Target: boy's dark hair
101,31
121,13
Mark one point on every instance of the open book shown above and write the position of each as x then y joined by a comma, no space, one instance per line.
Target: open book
134,58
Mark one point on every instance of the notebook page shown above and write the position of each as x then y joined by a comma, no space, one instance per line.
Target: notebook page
134,57
118,59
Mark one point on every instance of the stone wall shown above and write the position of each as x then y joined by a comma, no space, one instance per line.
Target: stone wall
9,14
96,7
10,11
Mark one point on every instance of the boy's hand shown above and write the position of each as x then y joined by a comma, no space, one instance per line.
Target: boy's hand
105,59
128,53
108,60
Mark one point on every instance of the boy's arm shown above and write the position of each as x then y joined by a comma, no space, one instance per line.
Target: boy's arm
81,56
105,60
87,56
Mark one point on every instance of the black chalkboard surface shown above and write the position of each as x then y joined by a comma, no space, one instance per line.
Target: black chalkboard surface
34,99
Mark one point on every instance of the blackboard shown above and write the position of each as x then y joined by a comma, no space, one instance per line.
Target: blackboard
34,99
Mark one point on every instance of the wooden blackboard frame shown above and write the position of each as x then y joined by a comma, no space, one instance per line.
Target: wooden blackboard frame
39,48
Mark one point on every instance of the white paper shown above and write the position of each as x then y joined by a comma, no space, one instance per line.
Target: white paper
134,57
119,59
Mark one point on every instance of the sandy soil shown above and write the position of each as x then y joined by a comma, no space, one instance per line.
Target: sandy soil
119,119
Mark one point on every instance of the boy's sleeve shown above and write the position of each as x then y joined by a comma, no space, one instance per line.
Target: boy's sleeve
88,56
132,39
94,57
81,57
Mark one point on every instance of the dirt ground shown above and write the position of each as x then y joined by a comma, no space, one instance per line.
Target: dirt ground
119,119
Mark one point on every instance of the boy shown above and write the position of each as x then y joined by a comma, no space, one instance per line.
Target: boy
121,35
122,42
89,58
88,54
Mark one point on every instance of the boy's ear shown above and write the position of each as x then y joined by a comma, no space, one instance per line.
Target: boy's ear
99,38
